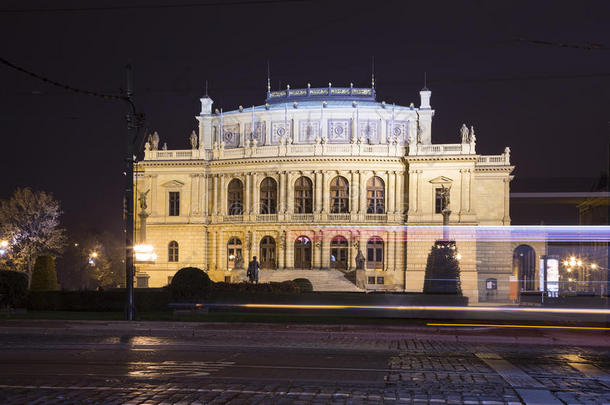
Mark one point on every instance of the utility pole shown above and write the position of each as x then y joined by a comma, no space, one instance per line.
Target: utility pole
132,124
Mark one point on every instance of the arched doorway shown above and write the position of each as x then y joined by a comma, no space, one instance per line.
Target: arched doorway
235,258
338,253
302,253
524,264
267,253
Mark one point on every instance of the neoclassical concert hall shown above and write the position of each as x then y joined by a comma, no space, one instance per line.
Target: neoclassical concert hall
324,183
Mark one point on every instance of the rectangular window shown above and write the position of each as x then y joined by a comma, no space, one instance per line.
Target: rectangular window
380,280
174,203
371,280
439,205
227,279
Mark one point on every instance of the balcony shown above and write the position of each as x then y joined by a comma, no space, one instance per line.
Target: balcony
266,218
233,218
376,217
339,217
302,217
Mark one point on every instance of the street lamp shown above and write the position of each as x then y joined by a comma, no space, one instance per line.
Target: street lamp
3,247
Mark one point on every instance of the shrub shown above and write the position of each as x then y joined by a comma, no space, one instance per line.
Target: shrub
304,284
442,270
44,276
190,284
13,288
285,287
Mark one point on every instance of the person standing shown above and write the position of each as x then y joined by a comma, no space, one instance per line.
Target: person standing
253,267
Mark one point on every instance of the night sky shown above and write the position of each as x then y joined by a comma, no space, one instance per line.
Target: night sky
499,66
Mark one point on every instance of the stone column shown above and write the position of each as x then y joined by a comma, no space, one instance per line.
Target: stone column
215,195
321,243
290,192
247,206
391,192
325,193
396,251
153,195
255,195
193,197
387,248
220,263
206,248
223,194
400,203
318,203
506,218
315,257
362,192
280,247
353,195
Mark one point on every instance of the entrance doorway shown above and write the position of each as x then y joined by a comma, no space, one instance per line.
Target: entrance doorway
338,253
524,263
267,253
235,258
302,253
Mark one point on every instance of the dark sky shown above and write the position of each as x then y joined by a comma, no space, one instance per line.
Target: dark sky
548,102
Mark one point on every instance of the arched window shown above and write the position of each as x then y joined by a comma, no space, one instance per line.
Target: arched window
172,251
267,253
268,196
235,258
339,195
303,201
524,263
374,253
235,196
375,196
302,253
338,253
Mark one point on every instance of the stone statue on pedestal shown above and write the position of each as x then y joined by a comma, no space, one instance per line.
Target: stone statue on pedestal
464,133
360,260
154,141
193,139
142,200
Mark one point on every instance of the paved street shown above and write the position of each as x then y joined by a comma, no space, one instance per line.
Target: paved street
242,364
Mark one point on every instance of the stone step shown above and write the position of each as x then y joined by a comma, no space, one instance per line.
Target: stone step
321,280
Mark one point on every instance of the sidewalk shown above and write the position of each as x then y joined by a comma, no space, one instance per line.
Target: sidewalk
298,332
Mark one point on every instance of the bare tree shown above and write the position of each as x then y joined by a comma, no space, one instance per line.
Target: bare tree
29,221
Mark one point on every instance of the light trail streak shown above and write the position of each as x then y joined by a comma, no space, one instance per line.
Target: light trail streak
431,308
518,326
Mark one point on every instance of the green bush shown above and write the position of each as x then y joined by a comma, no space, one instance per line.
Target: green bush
190,284
304,284
284,287
442,270
44,276
13,288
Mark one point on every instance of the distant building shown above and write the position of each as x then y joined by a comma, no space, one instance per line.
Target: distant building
313,177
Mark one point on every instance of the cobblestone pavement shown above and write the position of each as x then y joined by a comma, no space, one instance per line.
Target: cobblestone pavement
316,371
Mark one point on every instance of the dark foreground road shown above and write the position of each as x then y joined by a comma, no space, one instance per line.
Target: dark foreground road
149,363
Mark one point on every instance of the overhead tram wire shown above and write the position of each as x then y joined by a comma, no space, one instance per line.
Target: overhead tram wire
151,6
135,121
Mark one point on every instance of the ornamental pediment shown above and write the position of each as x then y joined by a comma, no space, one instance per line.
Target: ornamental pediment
173,184
441,180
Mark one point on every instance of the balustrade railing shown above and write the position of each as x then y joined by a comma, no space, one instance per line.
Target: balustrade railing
376,217
266,218
233,218
302,217
339,217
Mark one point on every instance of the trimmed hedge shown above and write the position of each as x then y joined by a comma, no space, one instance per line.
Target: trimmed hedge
44,276
284,287
304,284
190,284
13,288
145,299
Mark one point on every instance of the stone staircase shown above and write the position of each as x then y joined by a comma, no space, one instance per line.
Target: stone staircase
322,280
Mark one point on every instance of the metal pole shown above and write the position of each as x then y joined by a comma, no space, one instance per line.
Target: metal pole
131,127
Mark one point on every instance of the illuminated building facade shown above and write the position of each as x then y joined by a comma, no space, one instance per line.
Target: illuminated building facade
316,180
